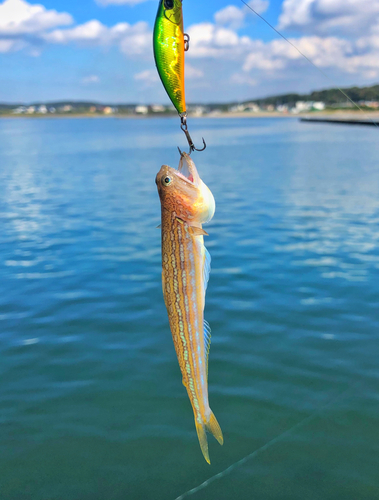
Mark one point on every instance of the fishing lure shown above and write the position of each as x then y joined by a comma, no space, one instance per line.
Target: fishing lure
170,43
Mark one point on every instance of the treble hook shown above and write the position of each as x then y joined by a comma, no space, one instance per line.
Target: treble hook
184,127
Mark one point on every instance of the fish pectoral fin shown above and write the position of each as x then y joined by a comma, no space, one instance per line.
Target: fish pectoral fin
160,225
184,383
197,231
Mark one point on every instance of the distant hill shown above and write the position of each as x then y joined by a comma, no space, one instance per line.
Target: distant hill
329,96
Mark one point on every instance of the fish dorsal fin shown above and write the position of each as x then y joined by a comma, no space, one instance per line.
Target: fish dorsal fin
207,342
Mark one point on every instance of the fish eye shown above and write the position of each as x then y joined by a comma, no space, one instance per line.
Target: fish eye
166,181
169,4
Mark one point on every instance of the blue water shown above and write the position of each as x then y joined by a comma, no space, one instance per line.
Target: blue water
92,405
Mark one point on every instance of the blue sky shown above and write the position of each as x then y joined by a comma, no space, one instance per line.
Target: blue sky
101,49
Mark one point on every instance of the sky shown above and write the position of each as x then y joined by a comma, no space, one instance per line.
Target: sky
101,50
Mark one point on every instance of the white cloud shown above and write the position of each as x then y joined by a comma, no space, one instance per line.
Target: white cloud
87,80
10,46
137,40
27,26
21,25
92,32
230,16
18,17
245,61
119,2
131,39
344,17
243,79
234,17
148,77
259,6
278,54
210,40
277,59
193,73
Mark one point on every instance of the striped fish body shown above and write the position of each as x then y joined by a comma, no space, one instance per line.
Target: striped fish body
182,268
185,272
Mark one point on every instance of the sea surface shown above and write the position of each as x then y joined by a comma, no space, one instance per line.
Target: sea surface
92,405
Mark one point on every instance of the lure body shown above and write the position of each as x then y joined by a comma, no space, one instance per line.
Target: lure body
186,204
169,47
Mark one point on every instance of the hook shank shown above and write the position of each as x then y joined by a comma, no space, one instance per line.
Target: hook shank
184,127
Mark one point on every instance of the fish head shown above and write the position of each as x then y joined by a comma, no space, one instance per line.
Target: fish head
184,194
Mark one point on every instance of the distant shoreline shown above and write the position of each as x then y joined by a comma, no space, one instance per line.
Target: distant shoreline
320,114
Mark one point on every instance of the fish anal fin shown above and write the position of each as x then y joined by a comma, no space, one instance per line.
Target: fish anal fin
207,342
160,225
184,383
197,231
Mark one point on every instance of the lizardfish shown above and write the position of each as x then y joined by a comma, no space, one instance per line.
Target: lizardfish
186,204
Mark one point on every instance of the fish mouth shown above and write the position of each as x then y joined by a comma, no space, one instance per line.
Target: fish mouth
187,170
189,177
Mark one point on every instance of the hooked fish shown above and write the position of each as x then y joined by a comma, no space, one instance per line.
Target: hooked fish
187,203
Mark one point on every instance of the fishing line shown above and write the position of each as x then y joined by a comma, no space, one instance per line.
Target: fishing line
266,446
311,62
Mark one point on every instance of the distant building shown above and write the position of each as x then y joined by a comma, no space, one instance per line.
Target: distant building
282,108
252,107
66,109
371,104
238,108
52,110
92,109
108,110
20,110
31,110
319,106
42,109
141,110
214,112
158,108
198,111
302,106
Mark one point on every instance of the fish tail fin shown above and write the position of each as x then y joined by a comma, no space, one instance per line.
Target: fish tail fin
214,428
202,435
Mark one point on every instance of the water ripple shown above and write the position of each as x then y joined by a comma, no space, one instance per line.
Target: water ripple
91,398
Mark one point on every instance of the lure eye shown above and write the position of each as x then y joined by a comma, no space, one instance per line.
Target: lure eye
166,181
169,4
